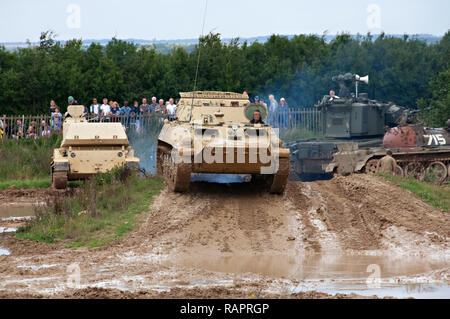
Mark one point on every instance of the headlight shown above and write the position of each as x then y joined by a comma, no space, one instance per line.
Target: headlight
120,154
72,155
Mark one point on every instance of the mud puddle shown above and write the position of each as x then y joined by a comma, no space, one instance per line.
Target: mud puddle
418,291
364,275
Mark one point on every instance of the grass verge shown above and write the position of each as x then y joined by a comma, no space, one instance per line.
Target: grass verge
104,208
27,159
40,183
437,196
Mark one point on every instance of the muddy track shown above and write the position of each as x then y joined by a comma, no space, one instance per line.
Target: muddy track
347,215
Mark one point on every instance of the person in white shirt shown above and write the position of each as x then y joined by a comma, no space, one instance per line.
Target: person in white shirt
104,108
171,109
95,107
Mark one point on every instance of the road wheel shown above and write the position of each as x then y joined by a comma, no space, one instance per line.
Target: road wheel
159,160
280,179
415,170
176,175
371,166
438,170
59,179
400,172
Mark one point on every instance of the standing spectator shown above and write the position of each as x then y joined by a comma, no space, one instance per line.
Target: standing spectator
104,108
56,117
125,110
283,108
161,107
256,100
273,105
171,109
115,111
135,107
273,114
56,114
261,101
45,129
19,129
135,112
52,107
57,124
153,106
144,106
94,110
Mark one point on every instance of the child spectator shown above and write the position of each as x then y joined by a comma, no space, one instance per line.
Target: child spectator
31,131
45,129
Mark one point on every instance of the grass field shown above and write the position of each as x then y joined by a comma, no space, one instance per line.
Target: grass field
38,183
103,210
27,160
437,196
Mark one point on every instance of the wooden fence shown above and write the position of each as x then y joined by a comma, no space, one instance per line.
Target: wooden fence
36,126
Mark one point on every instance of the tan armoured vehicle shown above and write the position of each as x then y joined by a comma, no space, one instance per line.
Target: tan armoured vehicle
211,133
89,148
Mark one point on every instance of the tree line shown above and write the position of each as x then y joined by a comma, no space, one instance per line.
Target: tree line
407,71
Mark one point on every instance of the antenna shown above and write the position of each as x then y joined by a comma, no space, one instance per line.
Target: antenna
198,58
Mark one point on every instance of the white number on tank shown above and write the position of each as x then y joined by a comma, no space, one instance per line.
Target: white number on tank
438,139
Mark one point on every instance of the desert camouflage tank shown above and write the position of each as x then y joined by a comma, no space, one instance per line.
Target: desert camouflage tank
89,148
212,134
418,150
346,117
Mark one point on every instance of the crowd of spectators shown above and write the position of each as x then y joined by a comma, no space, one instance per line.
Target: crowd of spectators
109,111
112,111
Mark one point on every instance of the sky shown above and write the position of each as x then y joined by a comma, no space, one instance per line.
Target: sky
176,19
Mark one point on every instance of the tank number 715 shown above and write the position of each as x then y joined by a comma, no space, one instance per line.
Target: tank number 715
438,139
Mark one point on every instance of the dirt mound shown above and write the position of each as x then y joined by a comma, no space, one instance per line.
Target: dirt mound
362,210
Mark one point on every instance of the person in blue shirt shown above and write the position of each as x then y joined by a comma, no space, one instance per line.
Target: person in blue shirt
125,110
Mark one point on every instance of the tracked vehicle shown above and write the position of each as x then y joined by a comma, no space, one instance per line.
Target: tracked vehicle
89,148
346,118
418,150
212,133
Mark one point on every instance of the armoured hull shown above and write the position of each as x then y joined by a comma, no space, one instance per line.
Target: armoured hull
89,148
212,133
420,152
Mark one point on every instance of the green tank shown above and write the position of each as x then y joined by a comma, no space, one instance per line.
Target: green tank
346,117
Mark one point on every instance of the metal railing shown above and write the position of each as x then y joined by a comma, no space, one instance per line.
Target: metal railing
307,119
37,126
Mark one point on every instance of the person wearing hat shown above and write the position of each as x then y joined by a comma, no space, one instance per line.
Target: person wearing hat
72,101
